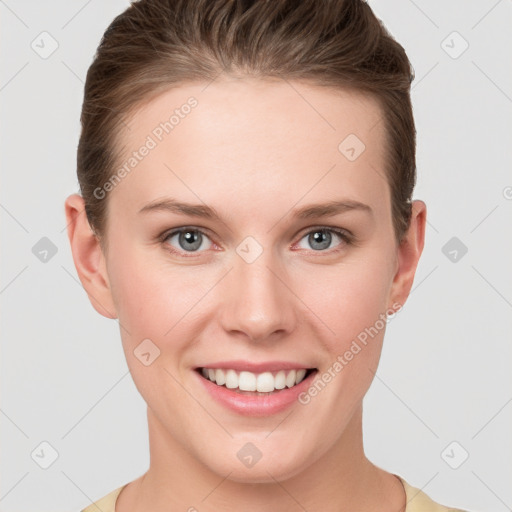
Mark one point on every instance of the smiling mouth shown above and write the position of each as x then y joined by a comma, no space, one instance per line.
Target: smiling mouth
264,383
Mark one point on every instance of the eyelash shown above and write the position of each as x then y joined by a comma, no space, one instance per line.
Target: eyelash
346,236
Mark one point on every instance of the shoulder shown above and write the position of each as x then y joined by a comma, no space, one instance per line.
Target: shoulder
418,501
107,503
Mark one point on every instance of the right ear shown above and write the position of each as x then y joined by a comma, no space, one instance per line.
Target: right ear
88,257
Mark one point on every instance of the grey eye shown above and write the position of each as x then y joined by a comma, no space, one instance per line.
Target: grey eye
320,239
189,240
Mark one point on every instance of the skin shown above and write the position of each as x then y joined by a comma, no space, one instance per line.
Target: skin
276,144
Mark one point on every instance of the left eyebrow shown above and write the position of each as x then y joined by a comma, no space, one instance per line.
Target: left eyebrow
328,209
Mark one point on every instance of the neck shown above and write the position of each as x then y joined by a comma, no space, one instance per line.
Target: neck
341,480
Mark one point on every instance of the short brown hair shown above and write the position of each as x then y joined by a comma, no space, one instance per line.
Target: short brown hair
155,45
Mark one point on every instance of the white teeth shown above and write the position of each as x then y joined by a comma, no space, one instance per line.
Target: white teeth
280,380
265,382
290,379
247,381
231,379
220,377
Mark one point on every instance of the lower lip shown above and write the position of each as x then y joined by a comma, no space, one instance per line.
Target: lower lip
256,405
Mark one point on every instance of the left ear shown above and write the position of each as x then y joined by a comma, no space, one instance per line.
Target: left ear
408,255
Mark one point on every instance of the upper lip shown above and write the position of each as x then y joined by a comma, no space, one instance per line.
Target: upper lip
247,366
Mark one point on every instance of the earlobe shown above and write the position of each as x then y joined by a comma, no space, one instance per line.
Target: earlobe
88,257
408,254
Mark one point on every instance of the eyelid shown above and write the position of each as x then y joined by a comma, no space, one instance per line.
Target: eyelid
320,227
347,237
174,231
168,232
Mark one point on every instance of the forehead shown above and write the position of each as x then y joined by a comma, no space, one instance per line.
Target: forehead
266,139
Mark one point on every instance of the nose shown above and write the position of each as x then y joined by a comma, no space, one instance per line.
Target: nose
257,300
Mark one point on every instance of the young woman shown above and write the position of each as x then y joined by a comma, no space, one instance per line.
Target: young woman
246,171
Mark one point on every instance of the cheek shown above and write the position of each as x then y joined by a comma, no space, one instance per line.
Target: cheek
151,295
352,302
153,302
347,299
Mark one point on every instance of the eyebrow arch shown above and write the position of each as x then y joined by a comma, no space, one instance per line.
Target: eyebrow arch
328,209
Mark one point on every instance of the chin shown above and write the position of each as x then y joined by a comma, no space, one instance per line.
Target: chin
264,471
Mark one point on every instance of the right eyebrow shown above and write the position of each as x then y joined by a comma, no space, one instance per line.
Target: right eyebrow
173,206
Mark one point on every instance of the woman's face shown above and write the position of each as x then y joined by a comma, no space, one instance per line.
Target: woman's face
262,288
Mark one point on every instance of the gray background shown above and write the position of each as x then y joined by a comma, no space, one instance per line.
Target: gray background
445,369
